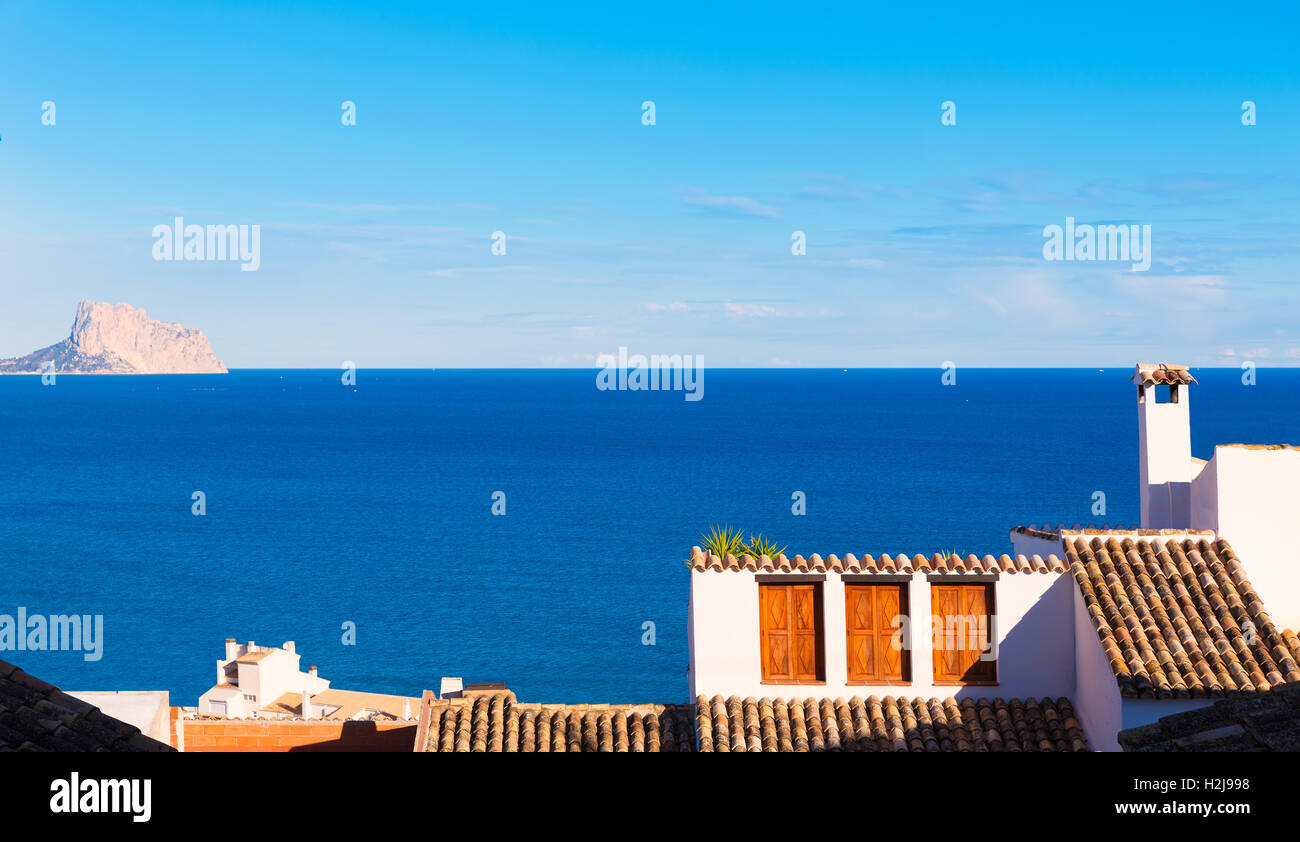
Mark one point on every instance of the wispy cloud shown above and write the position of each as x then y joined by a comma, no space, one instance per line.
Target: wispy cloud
1175,291
704,202
358,207
740,310
1198,185
835,188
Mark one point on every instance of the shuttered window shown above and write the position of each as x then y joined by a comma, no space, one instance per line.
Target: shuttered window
872,618
963,631
790,626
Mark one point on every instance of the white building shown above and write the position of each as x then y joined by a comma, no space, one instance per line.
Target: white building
1246,492
251,678
1119,626
266,682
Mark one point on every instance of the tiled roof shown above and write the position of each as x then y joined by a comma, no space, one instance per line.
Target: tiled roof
1180,619
885,564
1148,374
1056,532
1261,722
36,716
500,723
889,724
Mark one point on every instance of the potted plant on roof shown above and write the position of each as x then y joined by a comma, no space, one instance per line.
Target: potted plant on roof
759,546
723,541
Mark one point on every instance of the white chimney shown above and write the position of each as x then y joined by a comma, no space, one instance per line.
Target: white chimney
406,709
288,646
1165,467
450,688
306,705
232,649
221,672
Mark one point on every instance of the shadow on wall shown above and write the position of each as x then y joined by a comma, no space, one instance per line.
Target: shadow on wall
366,736
1036,658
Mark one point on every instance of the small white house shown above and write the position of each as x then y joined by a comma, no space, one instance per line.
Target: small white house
1119,626
251,678
936,626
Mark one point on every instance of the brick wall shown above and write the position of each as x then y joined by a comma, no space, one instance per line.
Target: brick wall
293,735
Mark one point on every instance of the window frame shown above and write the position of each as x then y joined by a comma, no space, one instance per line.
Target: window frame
990,609
905,676
817,588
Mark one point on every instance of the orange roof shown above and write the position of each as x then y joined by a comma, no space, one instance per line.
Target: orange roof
1180,619
889,724
950,563
1149,374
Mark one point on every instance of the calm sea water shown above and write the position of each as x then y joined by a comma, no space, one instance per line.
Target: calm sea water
328,504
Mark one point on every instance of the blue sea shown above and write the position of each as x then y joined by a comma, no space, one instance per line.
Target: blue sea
328,504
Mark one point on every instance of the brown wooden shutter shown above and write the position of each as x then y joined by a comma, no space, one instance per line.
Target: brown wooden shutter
870,613
790,628
956,640
774,624
944,602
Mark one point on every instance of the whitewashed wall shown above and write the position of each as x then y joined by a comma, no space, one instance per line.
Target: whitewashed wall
1165,467
1035,638
1033,545
1097,702
1253,496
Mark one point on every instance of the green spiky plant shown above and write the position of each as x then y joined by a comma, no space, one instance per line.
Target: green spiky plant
723,541
759,546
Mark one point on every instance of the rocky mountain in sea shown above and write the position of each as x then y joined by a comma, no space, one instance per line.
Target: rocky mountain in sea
121,339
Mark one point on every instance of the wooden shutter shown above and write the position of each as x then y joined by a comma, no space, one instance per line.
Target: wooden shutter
790,628
958,610
870,622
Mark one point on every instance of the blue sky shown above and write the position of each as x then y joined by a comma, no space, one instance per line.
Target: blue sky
924,241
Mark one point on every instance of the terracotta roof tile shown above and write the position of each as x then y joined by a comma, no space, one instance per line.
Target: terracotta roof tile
499,723
888,724
1056,533
885,564
1148,374
37,716
1180,619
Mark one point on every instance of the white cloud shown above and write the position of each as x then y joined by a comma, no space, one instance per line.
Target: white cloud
359,207
1181,290
673,307
465,271
705,201
736,310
